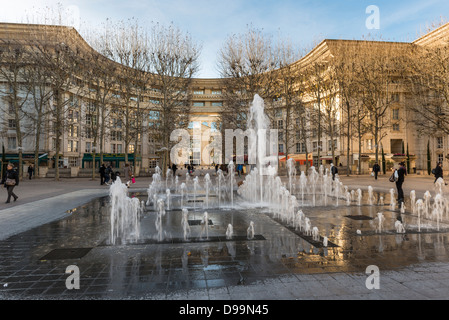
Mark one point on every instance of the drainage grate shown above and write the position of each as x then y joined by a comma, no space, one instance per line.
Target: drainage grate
199,222
69,253
359,217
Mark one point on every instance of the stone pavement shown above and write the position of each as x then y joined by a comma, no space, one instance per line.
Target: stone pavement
43,219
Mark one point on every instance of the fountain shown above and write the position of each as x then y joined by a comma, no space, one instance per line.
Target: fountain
370,195
399,227
231,171
205,226
380,222
229,232
160,215
125,214
185,224
168,198
392,200
250,231
207,184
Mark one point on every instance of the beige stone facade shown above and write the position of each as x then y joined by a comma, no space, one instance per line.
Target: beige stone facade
207,104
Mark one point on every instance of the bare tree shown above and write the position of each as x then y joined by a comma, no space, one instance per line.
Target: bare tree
173,61
14,60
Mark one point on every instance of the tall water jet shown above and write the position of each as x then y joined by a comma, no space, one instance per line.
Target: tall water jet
250,231
160,215
205,225
399,227
183,189
229,232
359,197
427,197
125,214
380,222
220,182
207,184
413,201
291,171
195,189
302,184
419,208
315,234
168,177
231,171
392,200
370,195
258,124
168,198
185,224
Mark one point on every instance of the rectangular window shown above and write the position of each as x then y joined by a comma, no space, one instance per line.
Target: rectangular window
11,124
281,148
440,158
439,142
395,126
199,104
216,92
72,146
73,162
280,124
88,148
395,114
131,148
12,143
217,104
300,147
198,92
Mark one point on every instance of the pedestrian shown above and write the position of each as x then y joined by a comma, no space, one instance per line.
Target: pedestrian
128,174
102,173
174,168
239,169
402,172
334,171
376,170
30,171
10,180
438,172
107,175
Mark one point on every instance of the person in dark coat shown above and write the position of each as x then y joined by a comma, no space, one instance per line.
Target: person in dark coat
102,174
402,172
11,175
438,172
30,171
376,170
334,171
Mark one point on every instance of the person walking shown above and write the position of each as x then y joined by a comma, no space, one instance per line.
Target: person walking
402,172
334,171
376,170
30,171
438,172
102,174
107,175
10,180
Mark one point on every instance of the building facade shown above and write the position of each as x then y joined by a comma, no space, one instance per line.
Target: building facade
80,151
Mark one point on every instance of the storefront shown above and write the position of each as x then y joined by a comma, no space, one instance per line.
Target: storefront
116,160
27,158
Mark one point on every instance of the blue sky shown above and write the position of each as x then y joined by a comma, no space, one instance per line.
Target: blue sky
210,22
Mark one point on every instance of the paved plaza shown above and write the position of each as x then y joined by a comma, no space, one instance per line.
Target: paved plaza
72,214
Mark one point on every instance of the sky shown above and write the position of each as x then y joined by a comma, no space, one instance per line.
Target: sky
210,22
